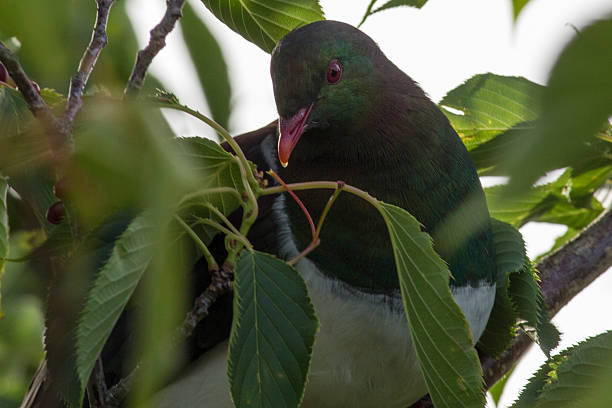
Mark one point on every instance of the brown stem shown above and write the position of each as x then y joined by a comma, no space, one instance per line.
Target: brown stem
157,41
86,65
221,283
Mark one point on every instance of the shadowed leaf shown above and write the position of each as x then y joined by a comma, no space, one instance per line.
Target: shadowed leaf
272,333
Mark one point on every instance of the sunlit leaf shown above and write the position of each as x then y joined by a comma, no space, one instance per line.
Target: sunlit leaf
439,330
265,22
209,63
517,6
272,333
4,231
491,104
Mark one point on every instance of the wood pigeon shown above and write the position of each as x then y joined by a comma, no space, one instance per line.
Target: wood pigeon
348,113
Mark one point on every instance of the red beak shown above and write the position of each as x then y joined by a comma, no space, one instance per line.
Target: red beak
290,132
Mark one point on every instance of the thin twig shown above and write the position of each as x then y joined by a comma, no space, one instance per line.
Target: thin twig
221,283
35,103
210,260
298,201
157,41
86,65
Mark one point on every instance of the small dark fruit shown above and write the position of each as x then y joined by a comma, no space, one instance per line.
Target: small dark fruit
3,73
35,85
60,189
56,213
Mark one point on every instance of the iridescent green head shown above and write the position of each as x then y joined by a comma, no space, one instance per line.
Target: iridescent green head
325,76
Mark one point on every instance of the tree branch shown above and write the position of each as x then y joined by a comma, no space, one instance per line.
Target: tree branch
157,41
564,273
86,66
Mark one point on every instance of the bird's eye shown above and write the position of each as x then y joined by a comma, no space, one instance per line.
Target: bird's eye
334,71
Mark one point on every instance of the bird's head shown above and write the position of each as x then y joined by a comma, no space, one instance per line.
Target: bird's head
324,76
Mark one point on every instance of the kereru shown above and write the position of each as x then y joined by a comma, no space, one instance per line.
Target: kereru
348,113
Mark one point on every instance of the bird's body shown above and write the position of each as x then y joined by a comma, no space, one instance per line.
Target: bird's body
347,113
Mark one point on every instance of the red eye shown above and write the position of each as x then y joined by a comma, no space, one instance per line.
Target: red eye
334,71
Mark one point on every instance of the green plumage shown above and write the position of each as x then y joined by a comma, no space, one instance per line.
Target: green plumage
377,130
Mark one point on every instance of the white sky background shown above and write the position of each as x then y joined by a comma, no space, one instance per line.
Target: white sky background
439,46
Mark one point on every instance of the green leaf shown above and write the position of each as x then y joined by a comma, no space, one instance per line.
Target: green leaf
14,113
396,3
111,291
498,388
509,247
529,395
568,378
209,63
575,105
491,104
264,22
213,167
510,257
524,291
500,328
390,4
517,210
4,231
589,181
272,333
517,6
439,330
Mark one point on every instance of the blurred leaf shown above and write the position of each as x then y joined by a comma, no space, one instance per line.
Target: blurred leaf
439,330
574,217
517,210
265,22
568,378
104,174
4,231
589,181
491,104
575,105
112,289
272,333
517,6
14,112
209,63
57,34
